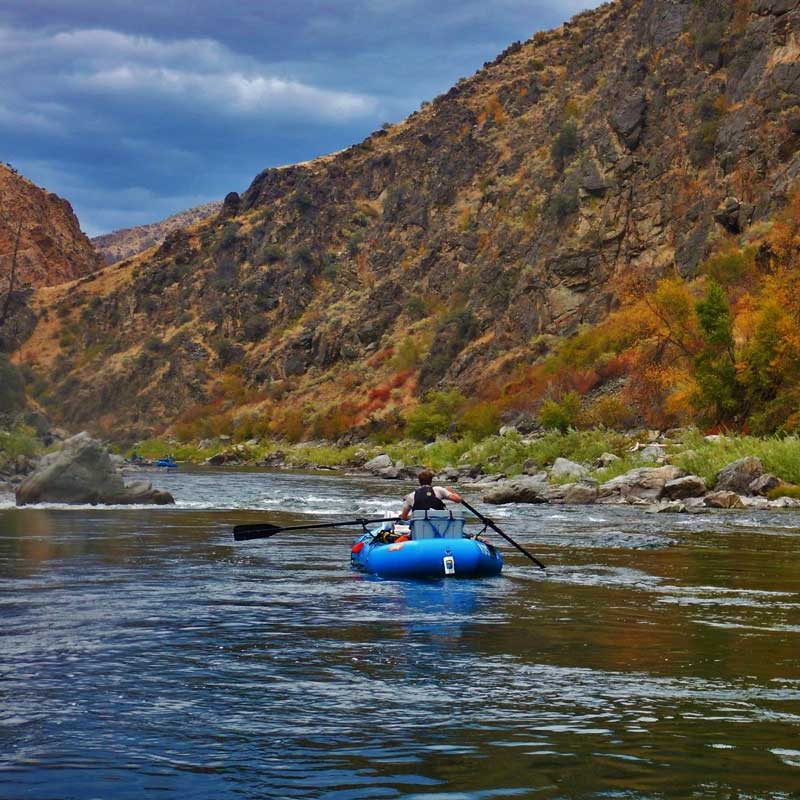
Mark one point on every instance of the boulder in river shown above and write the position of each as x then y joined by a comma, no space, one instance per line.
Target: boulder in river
82,472
643,485
724,499
518,490
582,493
668,507
738,475
573,494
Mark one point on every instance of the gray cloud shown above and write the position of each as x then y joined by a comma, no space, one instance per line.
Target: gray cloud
134,111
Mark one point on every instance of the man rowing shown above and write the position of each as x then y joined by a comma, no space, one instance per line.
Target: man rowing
427,497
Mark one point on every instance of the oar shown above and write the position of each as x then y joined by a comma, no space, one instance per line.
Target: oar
263,530
486,521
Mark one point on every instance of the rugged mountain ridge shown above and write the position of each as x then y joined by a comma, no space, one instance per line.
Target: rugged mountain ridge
127,242
455,247
52,247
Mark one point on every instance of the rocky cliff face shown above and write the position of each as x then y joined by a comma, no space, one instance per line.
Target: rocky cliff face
455,245
127,242
52,248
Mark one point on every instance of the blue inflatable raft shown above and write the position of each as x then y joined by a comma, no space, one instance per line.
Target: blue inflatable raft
433,546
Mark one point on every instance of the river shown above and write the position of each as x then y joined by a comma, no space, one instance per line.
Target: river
145,654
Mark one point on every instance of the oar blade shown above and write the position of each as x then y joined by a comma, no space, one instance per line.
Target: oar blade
264,530
244,533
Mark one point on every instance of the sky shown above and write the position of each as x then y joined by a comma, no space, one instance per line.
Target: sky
137,110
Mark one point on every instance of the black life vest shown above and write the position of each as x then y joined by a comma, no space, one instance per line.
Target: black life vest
425,499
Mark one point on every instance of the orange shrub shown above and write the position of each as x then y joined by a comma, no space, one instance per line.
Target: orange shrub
335,421
290,423
380,357
400,379
380,393
609,411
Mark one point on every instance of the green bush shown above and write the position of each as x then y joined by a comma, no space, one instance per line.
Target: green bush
565,144
354,245
710,39
785,491
407,355
302,202
702,142
17,442
561,414
255,326
481,420
416,308
563,204
452,335
719,392
228,352
153,344
12,387
435,416
230,235
303,256
731,267
273,253
779,455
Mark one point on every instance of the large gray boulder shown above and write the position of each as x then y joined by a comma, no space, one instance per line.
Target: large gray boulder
378,463
766,483
653,452
724,499
643,485
82,472
681,488
627,118
582,493
532,489
739,475
564,468
574,494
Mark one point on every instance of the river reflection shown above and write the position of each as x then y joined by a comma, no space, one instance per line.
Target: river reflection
143,653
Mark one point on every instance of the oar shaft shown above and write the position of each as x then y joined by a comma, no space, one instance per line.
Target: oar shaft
494,527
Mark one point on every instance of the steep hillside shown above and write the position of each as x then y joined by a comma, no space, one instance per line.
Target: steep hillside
127,242
456,248
52,247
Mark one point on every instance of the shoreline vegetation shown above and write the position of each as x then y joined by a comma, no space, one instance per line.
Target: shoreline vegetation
541,466
680,470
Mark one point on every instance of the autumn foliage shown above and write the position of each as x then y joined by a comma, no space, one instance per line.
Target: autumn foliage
721,350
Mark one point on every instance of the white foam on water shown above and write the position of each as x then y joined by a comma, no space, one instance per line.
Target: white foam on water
790,757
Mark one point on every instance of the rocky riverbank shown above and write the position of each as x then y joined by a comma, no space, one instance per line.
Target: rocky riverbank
663,488
671,471
741,484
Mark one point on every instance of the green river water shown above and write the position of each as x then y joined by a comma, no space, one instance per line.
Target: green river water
145,654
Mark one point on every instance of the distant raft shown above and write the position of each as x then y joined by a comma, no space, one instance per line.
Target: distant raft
435,545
